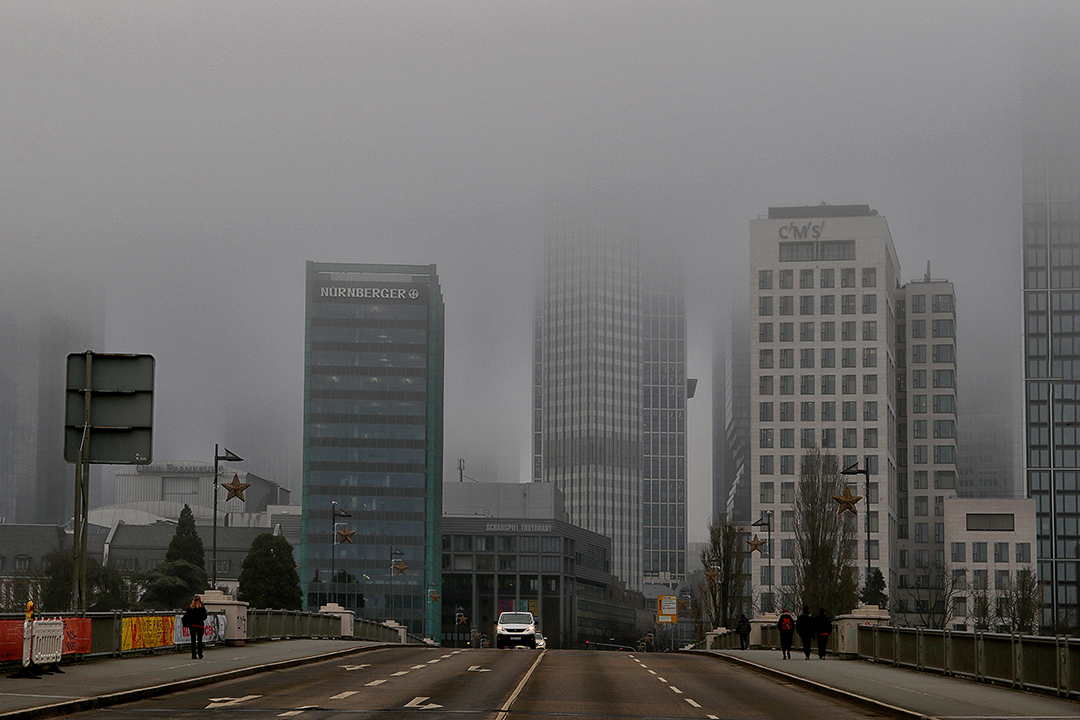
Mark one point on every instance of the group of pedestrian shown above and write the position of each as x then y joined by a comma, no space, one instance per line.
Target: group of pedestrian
810,629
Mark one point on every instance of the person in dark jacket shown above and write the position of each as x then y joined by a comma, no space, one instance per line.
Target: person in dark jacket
194,620
804,626
822,628
743,628
786,626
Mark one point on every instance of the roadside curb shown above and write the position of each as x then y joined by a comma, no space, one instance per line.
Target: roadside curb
821,687
125,696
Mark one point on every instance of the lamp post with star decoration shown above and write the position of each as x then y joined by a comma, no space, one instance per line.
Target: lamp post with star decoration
847,502
337,537
755,544
236,489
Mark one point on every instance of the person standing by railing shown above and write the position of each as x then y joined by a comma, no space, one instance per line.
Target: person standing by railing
195,621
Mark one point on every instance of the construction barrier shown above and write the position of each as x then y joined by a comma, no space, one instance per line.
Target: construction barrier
43,644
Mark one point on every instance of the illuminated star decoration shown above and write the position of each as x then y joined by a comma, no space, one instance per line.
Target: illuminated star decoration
236,488
433,596
400,567
345,536
712,575
847,501
756,544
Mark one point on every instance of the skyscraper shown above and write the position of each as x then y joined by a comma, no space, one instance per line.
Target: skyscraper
373,433
823,372
1051,307
609,424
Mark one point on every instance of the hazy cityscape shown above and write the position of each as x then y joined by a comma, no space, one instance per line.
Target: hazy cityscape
171,171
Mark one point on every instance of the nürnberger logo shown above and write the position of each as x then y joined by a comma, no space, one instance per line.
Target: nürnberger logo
800,232
380,293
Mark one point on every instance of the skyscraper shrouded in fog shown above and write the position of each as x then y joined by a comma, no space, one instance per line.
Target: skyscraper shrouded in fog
373,433
610,387
39,330
1051,321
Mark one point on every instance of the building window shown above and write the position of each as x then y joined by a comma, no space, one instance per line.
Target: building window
959,552
764,332
787,412
919,455
942,303
806,438
1001,552
787,358
828,276
787,305
942,328
765,412
847,277
806,304
921,506
944,354
787,280
787,436
918,303
869,277
848,384
806,279
978,552
922,534
978,579
828,357
869,357
869,330
849,411
806,385
945,454
944,429
764,279
918,328
828,304
765,385
944,379
806,332
787,521
787,464
828,331
870,437
870,411
766,465
918,353
828,437
918,378
847,304
765,438
918,403
869,304
787,489
828,387
766,492
787,384
765,305
765,359
787,332
850,437
869,384
1023,553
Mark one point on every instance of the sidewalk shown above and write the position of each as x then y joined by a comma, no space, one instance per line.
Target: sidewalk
902,692
100,683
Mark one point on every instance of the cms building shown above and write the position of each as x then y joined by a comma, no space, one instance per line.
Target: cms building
558,572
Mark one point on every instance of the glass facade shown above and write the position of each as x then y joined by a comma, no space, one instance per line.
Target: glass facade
609,403
1051,307
373,423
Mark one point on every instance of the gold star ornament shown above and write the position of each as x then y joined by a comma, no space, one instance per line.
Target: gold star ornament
847,501
712,575
433,596
756,544
345,536
236,488
401,568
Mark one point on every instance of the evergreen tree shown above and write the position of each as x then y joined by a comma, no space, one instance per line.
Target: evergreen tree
186,543
873,591
172,584
268,577
107,588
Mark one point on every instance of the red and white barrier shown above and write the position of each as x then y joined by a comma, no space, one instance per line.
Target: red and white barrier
43,644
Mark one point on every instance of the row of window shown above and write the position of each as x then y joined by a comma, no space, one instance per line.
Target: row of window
850,439
826,276
849,411
785,304
939,303
941,328
785,357
785,384
1001,552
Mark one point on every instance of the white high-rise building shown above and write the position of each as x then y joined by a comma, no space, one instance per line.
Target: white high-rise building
823,375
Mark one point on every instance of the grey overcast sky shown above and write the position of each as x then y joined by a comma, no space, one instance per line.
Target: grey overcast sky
190,156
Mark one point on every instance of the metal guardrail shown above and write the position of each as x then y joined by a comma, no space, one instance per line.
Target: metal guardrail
1049,664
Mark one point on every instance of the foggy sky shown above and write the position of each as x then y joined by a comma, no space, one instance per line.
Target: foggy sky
191,156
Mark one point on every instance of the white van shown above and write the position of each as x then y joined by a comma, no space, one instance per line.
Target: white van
515,628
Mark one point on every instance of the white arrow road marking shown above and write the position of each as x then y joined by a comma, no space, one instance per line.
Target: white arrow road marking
350,668
375,682
226,701
399,674
343,695
415,702
477,668
692,702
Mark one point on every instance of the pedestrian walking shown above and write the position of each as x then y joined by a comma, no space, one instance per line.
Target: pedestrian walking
786,626
822,628
804,626
195,621
743,628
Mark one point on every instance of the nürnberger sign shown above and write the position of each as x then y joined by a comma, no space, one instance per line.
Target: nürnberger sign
517,527
351,291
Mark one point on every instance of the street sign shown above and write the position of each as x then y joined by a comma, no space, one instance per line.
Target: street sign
667,609
118,429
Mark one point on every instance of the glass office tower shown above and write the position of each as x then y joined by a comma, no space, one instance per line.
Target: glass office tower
1051,295
373,431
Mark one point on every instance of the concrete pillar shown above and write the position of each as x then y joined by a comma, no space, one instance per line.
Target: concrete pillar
347,617
847,628
235,615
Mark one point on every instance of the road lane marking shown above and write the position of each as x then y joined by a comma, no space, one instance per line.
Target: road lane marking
343,695
416,703
691,702
675,689
289,713
477,668
660,679
227,701
521,686
434,661
399,674
374,682
418,667
712,717
350,668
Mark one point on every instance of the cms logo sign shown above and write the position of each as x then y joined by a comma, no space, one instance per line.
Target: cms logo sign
801,232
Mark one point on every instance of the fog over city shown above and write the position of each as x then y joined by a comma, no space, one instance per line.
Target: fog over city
186,159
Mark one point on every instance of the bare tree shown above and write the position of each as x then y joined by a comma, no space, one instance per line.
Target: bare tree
931,603
1019,604
722,589
825,539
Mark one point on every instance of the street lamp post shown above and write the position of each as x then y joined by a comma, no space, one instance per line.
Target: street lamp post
334,540
394,570
766,521
228,457
853,469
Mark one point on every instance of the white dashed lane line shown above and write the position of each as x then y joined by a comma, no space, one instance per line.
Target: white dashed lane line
692,702
343,695
374,682
675,689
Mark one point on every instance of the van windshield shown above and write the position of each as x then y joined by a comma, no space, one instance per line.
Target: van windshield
521,618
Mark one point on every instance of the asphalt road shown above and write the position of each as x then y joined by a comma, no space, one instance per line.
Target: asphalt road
498,684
